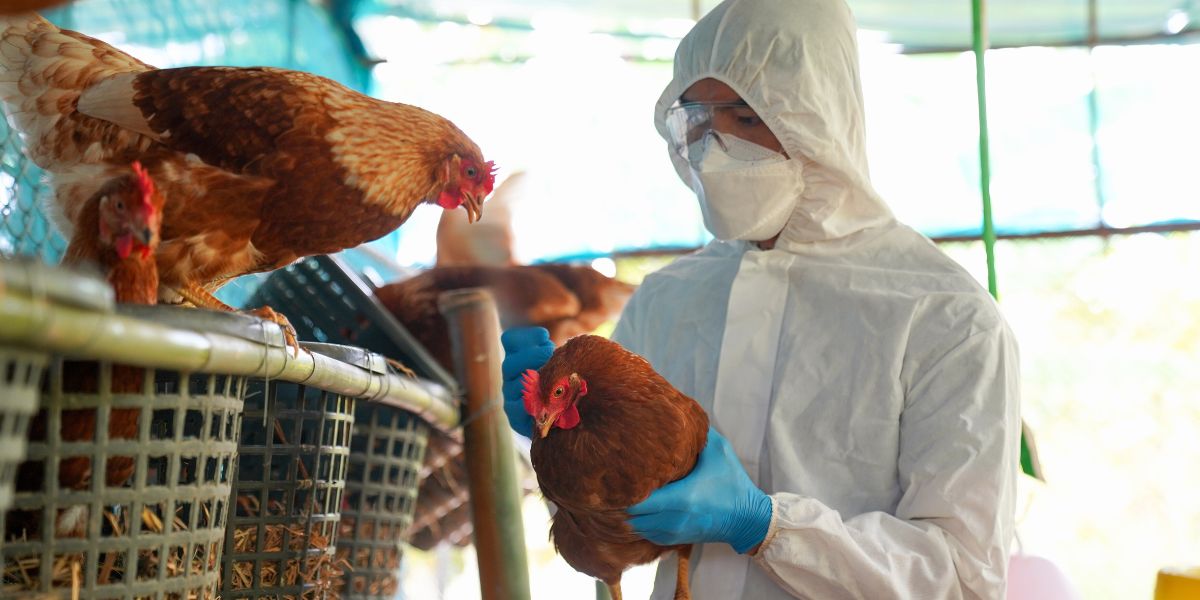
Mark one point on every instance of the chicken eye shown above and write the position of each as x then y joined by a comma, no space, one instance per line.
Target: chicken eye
120,205
559,391
471,172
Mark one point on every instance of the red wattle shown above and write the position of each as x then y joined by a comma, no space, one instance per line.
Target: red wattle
124,245
448,200
568,419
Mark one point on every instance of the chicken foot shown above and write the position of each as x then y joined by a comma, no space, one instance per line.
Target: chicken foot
202,298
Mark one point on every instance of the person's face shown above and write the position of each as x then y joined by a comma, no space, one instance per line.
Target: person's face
740,121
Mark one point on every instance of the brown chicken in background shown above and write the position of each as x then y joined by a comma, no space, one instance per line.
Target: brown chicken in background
608,431
568,300
488,242
261,166
13,7
524,296
601,299
119,226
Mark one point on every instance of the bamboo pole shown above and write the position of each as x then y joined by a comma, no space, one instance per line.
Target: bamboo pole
86,333
490,457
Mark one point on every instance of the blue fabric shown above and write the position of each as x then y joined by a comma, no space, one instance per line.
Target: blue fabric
716,502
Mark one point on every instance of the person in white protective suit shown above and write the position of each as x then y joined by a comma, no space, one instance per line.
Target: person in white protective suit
864,386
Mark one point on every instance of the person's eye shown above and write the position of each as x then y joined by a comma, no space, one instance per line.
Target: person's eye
748,120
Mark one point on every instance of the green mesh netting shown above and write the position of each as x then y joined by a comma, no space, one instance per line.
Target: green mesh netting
169,33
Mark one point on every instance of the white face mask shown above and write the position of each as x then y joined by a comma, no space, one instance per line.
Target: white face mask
749,197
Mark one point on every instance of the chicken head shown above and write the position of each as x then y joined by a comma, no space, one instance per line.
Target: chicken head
468,180
130,214
560,409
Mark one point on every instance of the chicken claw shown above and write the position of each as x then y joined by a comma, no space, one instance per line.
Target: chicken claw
202,298
267,313
399,366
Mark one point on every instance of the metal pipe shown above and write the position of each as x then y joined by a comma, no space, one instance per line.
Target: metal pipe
1093,103
490,456
980,43
88,334
1183,37
1102,232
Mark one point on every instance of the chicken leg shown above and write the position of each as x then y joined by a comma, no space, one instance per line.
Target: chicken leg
614,589
682,590
202,298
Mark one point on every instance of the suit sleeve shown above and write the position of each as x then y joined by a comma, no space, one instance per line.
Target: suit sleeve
958,458
626,332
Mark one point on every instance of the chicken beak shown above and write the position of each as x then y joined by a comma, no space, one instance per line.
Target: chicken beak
474,207
544,428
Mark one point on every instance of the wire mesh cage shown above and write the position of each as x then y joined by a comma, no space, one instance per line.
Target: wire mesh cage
20,375
387,451
286,500
148,524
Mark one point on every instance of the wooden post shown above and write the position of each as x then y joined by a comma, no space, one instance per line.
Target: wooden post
491,468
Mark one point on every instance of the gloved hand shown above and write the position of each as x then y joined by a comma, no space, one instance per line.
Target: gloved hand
524,348
716,502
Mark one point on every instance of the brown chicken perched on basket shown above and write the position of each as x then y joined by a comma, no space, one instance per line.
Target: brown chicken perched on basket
261,166
608,431
118,231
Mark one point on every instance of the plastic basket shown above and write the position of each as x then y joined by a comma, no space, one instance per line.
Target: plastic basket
20,376
158,534
285,505
387,451
326,301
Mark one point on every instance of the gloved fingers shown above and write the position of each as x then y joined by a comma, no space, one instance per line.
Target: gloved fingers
659,524
520,423
674,495
511,389
530,357
519,337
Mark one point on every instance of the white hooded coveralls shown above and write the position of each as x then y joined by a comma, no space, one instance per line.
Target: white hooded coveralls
866,381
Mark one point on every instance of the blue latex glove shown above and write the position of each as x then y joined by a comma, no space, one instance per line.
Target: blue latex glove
524,348
716,502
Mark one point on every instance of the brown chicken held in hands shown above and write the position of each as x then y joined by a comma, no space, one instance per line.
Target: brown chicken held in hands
608,431
262,166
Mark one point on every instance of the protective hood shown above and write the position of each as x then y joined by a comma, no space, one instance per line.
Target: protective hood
795,62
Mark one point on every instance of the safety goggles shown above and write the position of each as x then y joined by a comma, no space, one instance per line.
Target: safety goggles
693,124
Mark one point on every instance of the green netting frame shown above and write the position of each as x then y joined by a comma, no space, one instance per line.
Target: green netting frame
291,475
293,34
387,451
1029,463
158,535
20,375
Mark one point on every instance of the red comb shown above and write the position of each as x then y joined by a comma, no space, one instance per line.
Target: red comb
530,381
490,179
144,183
